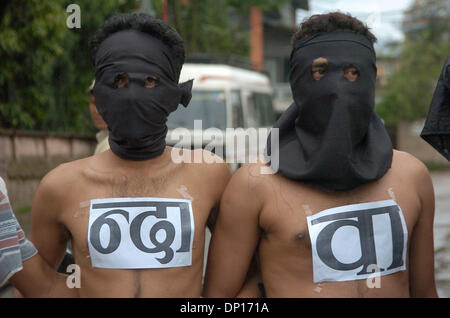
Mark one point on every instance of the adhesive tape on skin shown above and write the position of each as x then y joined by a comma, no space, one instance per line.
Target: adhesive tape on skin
391,194
307,209
184,192
85,204
83,210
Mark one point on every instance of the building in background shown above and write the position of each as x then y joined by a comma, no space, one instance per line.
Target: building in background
270,44
279,26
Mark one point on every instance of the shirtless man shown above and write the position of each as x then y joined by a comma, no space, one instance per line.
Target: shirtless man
144,236
345,215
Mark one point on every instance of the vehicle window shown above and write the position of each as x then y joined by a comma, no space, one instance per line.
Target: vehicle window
208,106
236,109
252,114
261,109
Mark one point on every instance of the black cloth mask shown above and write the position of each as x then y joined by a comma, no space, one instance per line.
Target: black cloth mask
437,125
331,137
136,115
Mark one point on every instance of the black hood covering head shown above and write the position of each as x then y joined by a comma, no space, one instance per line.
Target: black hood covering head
136,115
437,125
331,137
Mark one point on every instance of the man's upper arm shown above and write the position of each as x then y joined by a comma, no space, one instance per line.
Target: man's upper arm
46,231
219,176
422,282
235,237
37,278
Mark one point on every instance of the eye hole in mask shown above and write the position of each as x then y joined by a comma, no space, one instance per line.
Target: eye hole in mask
151,82
319,68
121,80
351,73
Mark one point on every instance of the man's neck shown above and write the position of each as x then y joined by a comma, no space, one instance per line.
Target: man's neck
158,162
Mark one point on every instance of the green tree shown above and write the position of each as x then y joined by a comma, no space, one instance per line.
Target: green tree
74,71
408,92
31,36
215,27
45,67
264,5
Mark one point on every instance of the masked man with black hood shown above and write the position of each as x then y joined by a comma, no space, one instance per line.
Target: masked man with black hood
344,215
136,218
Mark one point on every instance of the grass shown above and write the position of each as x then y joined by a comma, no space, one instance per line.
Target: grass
433,166
26,209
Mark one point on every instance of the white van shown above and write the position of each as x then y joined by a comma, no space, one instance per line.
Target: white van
223,97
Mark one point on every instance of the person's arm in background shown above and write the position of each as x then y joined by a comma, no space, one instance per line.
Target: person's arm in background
38,279
220,175
47,232
421,255
20,262
233,243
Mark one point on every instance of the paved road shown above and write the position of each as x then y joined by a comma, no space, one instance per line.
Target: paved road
441,182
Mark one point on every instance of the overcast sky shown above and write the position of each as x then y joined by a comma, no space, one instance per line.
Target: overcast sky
383,16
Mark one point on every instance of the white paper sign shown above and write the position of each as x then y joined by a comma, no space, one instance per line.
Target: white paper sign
350,241
140,232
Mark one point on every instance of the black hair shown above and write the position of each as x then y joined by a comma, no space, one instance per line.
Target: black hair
329,22
144,23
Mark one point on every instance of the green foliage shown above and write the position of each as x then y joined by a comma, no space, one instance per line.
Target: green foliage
263,4
45,67
215,27
410,88
74,71
27,59
206,28
434,166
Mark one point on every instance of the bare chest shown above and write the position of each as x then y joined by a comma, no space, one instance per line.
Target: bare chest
78,209
284,218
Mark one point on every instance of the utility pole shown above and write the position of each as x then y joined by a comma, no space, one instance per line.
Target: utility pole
256,38
165,11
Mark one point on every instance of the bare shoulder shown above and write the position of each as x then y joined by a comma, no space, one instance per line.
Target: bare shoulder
60,179
404,162
202,161
54,189
246,192
252,178
208,169
213,164
414,173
